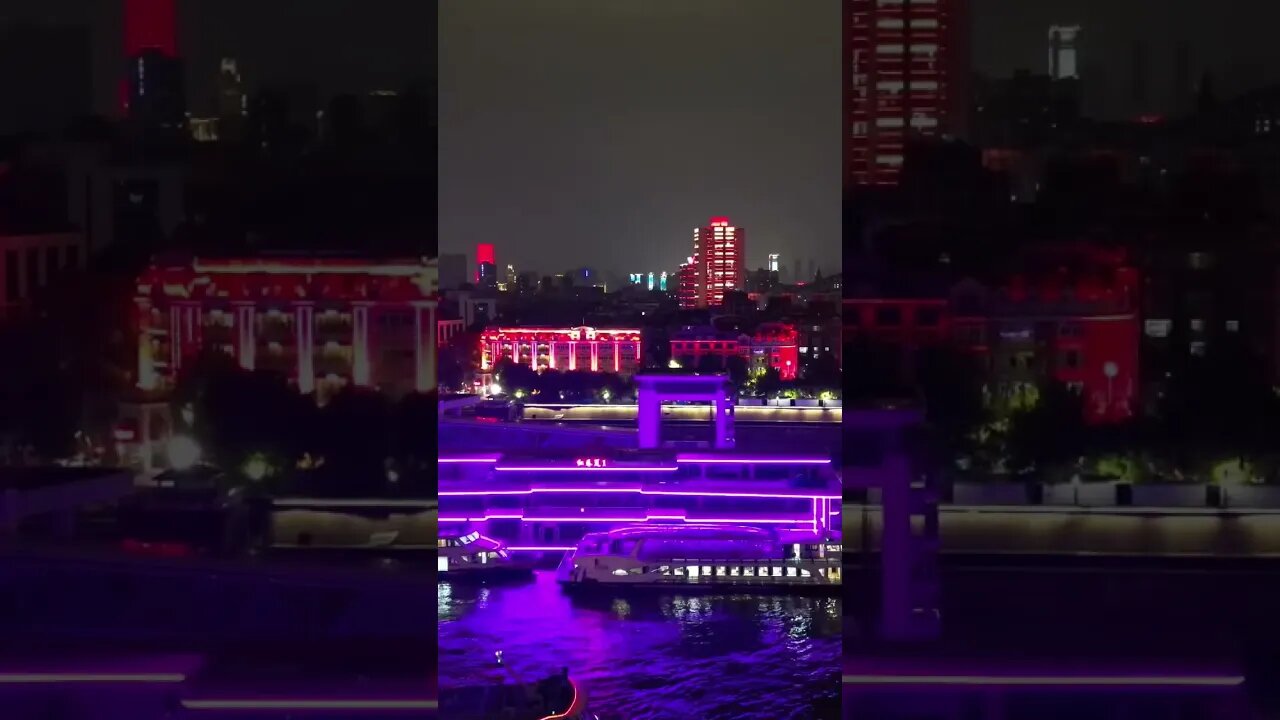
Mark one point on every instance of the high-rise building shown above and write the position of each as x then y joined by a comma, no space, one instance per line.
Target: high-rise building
717,266
486,267
1064,58
905,70
233,104
150,25
157,96
773,262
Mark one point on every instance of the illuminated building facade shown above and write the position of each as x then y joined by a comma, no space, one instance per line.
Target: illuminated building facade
579,348
773,345
323,323
904,75
549,502
486,266
718,264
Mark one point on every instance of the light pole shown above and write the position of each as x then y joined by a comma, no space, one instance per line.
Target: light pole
1110,369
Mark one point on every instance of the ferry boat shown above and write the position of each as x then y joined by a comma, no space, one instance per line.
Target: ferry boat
476,556
704,557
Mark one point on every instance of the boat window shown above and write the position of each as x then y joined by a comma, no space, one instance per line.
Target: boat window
679,571
791,572
735,571
693,571
620,571
777,571
706,570
665,569
805,573
720,571
749,572
635,571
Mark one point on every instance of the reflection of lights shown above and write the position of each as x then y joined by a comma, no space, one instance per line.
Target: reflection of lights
301,704
642,491
495,389
14,678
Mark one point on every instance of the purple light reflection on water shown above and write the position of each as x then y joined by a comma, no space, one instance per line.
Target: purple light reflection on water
655,657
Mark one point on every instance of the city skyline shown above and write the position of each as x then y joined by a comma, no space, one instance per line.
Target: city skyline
611,164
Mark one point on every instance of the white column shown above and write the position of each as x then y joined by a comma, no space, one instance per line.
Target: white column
246,335
304,340
360,345
424,328
146,363
175,339
573,355
533,354
639,361
595,356
551,355
617,355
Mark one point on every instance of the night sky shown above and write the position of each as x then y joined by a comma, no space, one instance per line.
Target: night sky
601,132
1233,39
337,45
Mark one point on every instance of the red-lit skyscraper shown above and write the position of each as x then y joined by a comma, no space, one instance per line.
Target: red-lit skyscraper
486,268
718,264
905,70
150,25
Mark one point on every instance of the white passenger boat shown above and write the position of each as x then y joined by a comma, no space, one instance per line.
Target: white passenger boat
470,555
704,557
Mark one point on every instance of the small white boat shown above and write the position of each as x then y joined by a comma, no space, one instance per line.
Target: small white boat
704,557
476,556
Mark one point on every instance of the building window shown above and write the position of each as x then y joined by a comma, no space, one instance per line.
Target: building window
1233,326
928,317
1158,328
889,316
33,271
1197,325
1197,348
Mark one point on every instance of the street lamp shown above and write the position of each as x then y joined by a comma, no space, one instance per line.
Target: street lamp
184,453
1110,369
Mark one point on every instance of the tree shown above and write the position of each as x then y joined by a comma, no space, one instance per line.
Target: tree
950,383
736,366
710,364
1051,432
356,439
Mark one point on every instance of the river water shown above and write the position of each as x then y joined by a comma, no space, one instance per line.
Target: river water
660,657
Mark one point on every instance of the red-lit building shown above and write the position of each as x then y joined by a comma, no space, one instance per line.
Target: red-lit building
486,266
579,348
150,25
1072,315
904,74
323,323
718,264
772,345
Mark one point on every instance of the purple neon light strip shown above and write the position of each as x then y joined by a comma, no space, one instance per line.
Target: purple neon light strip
642,491
13,678
540,548
805,522
561,468
305,704
475,459
712,460
1049,680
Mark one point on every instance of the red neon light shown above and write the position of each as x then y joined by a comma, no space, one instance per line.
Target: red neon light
573,706
484,253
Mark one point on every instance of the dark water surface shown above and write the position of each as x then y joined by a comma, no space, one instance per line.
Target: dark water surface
663,657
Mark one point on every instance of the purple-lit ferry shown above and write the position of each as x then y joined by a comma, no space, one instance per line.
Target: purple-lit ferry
704,557
547,501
